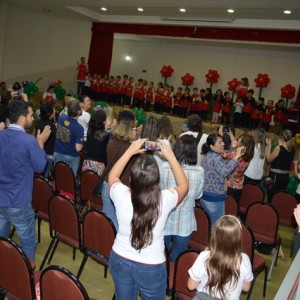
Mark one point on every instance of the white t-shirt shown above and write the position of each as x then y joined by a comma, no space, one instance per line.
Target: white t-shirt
200,144
198,273
84,120
154,253
256,167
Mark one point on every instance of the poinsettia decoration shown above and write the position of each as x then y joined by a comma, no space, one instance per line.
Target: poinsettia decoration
166,72
187,79
288,92
212,76
233,85
261,81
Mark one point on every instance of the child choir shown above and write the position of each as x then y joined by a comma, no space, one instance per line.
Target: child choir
247,112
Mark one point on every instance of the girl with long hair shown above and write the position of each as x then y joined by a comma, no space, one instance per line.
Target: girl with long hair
137,260
254,172
222,271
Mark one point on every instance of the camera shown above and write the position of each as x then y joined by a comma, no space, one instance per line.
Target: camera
152,146
226,128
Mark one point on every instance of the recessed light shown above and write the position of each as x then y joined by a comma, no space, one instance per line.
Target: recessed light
182,9
230,10
140,9
287,12
104,8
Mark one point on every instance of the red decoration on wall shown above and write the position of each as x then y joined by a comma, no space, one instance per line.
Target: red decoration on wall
288,91
187,79
233,84
262,80
166,71
212,76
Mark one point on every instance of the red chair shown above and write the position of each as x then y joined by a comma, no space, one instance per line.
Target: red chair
251,193
41,195
183,263
98,236
200,238
285,203
231,206
65,223
257,261
16,275
64,180
58,283
89,179
263,220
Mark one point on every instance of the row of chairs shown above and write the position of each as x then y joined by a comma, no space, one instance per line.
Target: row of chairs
21,282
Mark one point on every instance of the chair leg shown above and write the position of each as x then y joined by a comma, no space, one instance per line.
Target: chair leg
265,281
47,254
39,229
53,251
74,253
275,256
84,260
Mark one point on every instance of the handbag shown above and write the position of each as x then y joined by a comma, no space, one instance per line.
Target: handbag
99,186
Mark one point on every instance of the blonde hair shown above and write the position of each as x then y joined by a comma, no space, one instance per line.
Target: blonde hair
223,263
123,130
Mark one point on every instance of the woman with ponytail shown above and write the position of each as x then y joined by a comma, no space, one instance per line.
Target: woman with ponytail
137,260
222,271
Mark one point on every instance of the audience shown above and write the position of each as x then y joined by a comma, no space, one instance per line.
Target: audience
97,139
84,118
222,271
297,234
69,137
47,115
137,260
181,221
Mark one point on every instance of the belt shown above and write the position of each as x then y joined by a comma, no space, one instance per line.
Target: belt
279,171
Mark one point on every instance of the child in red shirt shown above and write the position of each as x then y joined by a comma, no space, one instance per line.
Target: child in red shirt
149,96
185,103
267,115
194,101
226,108
177,101
257,113
218,98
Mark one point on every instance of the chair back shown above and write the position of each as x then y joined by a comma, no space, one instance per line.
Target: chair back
183,263
89,179
64,217
16,275
231,206
263,220
248,242
251,193
58,283
98,233
285,204
64,179
41,195
200,238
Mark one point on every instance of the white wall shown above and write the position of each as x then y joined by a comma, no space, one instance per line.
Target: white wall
231,61
37,45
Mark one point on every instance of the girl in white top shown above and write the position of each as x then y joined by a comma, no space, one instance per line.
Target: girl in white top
222,271
254,172
137,261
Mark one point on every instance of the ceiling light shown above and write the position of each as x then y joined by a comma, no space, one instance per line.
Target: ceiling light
182,10
104,8
128,58
230,10
140,9
287,12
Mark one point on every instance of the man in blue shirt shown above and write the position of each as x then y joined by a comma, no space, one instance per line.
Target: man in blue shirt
69,137
20,156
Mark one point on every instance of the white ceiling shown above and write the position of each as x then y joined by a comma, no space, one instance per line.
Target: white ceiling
248,13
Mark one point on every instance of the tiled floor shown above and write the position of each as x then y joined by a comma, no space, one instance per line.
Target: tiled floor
102,289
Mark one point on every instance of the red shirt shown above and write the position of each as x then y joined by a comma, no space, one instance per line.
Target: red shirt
177,98
149,95
267,114
81,72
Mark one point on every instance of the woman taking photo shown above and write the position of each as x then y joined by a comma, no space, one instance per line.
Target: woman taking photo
137,261
181,221
216,171
222,271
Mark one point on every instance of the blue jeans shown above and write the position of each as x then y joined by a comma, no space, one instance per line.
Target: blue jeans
179,245
215,210
132,277
108,206
23,218
72,161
